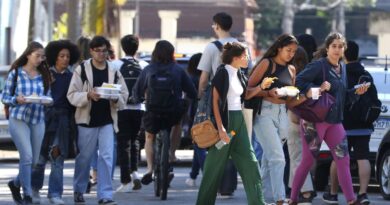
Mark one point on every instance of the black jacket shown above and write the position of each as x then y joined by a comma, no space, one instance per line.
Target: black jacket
312,76
221,83
354,72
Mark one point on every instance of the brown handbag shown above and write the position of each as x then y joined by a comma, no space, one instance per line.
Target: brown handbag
204,134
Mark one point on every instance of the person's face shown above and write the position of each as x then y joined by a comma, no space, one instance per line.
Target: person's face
36,57
242,60
62,61
99,54
336,49
287,53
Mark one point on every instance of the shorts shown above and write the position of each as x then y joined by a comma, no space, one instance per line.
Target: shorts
359,146
153,122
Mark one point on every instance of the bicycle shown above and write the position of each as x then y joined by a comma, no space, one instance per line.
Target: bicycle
161,164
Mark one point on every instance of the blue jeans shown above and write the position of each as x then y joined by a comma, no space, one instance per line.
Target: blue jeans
197,161
55,179
88,139
270,128
28,139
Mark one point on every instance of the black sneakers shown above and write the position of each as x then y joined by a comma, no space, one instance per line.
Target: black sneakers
78,198
363,199
15,191
329,198
27,200
106,202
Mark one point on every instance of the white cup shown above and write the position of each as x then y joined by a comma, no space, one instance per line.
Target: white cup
315,93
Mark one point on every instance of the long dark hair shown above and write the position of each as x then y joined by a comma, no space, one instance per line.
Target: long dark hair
192,67
300,59
321,52
163,52
42,68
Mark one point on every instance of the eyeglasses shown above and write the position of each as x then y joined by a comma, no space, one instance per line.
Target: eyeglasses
103,51
214,26
245,57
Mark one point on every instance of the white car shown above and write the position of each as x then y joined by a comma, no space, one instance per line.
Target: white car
382,127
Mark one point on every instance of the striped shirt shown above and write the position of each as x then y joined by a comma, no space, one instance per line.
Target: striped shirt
31,113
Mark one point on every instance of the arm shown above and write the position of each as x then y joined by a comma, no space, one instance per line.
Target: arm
78,94
305,79
138,92
203,80
7,98
124,93
187,85
253,88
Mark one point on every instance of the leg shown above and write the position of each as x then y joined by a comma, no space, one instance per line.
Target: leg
245,160
56,175
364,175
336,140
334,183
87,142
105,161
38,173
212,174
175,141
361,150
149,141
124,156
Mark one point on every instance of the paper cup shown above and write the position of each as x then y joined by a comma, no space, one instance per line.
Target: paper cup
315,93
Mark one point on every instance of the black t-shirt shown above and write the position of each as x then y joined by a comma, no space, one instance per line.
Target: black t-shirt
100,110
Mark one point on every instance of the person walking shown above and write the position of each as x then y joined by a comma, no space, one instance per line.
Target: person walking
59,121
28,76
331,130
270,126
96,120
228,91
358,131
129,119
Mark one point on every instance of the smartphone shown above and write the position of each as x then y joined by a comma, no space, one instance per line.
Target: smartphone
363,84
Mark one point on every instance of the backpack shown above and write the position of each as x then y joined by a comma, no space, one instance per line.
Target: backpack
160,93
368,107
13,89
83,74
130,71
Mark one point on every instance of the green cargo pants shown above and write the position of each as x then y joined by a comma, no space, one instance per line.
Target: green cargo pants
244,159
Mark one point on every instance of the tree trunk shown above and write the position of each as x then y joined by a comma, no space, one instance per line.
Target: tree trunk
74,27
288,17
31,22
341,18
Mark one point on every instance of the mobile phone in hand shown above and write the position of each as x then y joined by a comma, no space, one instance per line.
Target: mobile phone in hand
362,84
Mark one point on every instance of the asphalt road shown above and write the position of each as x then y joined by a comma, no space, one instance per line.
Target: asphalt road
179,193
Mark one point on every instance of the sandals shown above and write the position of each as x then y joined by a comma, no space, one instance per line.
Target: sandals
147,179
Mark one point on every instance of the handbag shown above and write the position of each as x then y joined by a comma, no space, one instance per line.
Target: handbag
203,132
315,110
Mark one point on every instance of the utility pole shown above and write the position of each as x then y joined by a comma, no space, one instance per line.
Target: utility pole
136,22
31,22
51,20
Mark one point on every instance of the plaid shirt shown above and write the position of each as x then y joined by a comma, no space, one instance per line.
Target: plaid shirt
32,113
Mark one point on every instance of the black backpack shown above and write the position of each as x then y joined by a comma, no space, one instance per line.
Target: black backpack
160,94
368,108
130,71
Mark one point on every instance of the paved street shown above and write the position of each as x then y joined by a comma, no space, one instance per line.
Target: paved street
179,193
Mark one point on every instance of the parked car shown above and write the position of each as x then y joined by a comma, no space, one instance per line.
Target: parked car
378,147
5,138
382,165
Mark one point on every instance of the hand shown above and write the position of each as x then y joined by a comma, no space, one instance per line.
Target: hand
325,86
93,95
362,89
273,93
223,136
266,83
20,99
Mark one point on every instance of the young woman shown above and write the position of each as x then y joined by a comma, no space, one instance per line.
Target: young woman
58,119
331,130
270,126
228,87
28,76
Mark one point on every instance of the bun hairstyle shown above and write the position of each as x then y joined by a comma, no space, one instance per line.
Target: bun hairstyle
231,50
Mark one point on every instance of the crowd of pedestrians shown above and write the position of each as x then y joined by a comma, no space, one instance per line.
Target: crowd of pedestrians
96,128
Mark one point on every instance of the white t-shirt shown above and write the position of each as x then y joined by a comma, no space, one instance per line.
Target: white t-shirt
211,56
118,64
235,89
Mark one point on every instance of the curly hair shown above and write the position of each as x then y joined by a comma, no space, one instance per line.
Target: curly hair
54,47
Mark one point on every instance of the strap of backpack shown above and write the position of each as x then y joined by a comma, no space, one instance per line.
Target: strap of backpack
14,82
83,75
116,77
218,44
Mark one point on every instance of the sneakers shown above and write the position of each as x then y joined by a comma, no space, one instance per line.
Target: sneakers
363,199
124,188
329,198
27,200
305,201
15,191
36,197
136,181
147,179
191,182
78,198
107,202
56,200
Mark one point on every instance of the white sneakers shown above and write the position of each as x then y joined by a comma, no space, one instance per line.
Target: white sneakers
124,188
56,200
191,182
36,198
136,181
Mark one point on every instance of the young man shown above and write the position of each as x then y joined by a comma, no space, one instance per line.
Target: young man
209,62
358,132
129,119
96,119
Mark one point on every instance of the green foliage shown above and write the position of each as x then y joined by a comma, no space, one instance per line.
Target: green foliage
61,27
268,23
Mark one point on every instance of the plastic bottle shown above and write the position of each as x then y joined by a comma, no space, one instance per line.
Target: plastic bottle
222,143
